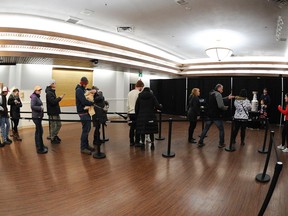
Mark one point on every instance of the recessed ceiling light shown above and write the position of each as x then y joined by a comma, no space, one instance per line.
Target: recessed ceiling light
87,12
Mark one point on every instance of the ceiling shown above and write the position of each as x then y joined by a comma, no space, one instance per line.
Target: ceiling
182,28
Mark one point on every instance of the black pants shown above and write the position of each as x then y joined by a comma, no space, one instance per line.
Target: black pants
15,125
133,135
39,134
285,134
237,125
192,127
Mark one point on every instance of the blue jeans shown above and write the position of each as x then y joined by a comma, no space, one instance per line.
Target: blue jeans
86,127
220,127
5,127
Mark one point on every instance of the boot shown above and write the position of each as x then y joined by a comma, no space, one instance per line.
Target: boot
17,137
13,134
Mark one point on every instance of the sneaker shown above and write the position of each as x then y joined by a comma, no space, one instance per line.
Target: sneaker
200,144
86,151
2,145
221,145
281,147
91,148
43,151
6,142
57,138
55,141
285,150
192,141
9,140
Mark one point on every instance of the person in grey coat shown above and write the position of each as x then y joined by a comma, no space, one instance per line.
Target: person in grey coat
146,120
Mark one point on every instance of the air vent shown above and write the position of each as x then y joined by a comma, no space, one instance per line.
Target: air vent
181,2
73,20
125,29
281,3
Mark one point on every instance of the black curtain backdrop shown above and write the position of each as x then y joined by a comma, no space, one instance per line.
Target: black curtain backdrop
171,94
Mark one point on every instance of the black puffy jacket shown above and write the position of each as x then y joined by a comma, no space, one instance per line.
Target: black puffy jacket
53,107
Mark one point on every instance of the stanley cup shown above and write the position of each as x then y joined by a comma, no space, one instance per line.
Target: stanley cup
254,102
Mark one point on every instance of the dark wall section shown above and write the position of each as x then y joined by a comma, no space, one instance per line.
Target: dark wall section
172,93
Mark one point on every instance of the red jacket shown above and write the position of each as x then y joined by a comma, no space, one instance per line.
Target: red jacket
284,112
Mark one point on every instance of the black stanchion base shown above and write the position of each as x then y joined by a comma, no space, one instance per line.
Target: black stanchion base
160,138
230,149
265,151
99,155
167,154
260,179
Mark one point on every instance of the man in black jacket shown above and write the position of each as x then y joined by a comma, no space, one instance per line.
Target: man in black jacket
214,112
53,111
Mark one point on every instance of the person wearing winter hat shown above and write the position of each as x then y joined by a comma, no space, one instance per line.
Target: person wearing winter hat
85,118
53,111
4,117
37,116
132,97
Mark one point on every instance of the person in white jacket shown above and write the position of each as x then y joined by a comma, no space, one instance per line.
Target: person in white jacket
241,116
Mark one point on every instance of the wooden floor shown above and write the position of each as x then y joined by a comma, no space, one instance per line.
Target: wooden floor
130,181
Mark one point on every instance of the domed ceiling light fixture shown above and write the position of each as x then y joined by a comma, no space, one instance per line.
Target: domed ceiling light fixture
219,53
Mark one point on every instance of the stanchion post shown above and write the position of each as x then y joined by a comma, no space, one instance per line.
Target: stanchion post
231,147
169,153
160,127
98,154
49,127
263,150
103,133
277,171
263,177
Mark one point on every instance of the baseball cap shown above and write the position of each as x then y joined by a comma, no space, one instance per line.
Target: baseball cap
37,88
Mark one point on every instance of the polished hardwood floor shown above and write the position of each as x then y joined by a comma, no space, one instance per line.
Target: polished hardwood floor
130,181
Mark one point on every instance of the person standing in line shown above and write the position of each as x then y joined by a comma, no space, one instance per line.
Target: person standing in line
100,116
132,97
37,116
4,117
85,118
266,99
215,108
53,111
15,105
243,106
146,120
285,128
193,112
